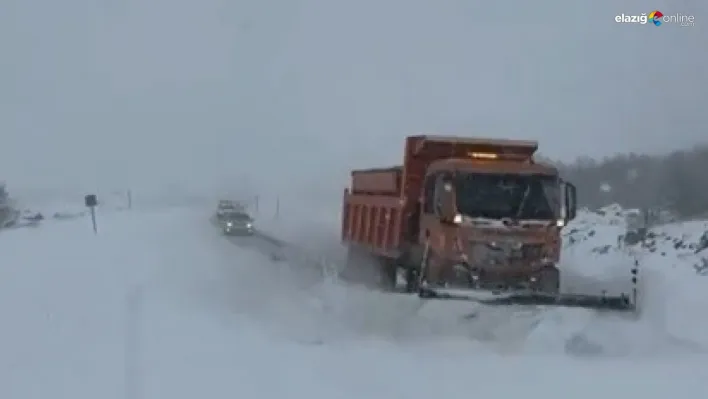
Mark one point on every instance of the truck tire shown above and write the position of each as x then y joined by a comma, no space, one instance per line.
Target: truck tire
411,280
411,263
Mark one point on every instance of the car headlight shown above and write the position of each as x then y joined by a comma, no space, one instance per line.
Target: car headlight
229,224
249,225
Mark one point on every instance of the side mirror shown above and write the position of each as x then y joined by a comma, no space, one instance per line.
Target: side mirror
571,203
445,207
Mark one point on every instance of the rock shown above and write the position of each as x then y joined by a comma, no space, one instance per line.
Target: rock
702,242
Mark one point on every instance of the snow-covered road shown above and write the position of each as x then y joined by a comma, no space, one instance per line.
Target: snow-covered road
159,305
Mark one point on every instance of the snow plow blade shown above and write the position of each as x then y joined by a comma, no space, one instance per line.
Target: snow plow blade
622,303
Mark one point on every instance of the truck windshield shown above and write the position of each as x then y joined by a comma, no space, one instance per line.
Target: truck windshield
497,196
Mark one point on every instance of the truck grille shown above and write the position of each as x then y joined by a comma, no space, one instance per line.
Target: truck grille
532,251
503,252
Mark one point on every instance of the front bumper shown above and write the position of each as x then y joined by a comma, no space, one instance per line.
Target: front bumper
505,260
238,230
524,275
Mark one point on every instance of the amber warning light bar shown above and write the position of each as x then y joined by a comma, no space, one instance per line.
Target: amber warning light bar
483,155
494,156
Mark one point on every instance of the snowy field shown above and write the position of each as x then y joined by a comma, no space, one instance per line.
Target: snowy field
159,305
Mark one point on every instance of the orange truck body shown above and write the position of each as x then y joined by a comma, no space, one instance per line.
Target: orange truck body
381,209
379,199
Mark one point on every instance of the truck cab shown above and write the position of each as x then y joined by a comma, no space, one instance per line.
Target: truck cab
491,218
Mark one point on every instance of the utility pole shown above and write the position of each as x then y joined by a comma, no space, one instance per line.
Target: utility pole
277,207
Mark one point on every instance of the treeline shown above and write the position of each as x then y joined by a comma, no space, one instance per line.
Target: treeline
677,181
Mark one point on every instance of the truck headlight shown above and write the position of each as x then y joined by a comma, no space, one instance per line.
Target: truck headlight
457,219
560,222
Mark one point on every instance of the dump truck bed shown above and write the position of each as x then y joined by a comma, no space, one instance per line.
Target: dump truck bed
373,209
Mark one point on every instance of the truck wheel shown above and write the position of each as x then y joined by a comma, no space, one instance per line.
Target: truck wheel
411,280
411,262
549,280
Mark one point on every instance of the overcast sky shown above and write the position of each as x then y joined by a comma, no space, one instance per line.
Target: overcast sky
141,93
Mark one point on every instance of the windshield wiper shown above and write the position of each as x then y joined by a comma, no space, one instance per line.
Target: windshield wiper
522,204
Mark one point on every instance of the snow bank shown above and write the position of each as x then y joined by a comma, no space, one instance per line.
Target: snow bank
671,284
601,234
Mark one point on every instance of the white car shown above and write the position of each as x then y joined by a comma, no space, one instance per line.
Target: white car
237,223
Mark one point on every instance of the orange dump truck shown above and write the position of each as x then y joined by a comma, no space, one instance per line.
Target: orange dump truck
459,213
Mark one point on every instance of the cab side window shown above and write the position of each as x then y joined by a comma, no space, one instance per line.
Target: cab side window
429,193
443,182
